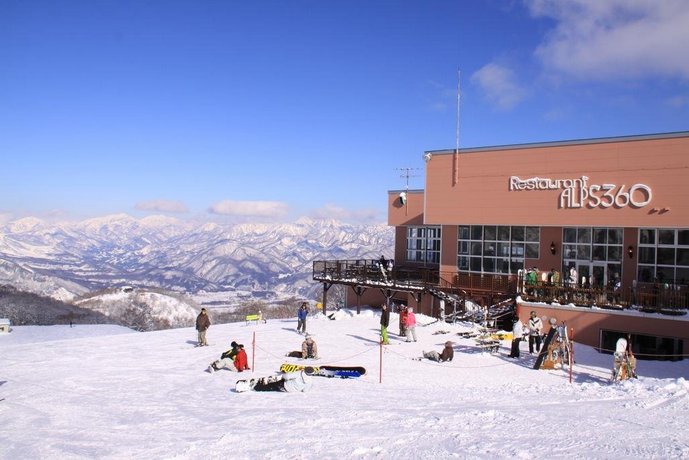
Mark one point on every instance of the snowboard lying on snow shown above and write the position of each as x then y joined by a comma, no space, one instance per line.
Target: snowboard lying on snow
343,372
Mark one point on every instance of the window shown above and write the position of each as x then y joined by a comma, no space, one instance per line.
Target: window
423,245
663,254
496,248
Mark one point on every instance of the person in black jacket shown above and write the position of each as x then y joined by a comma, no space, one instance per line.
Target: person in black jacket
384,322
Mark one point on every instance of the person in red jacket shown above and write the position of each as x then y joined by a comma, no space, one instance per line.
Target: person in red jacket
241,362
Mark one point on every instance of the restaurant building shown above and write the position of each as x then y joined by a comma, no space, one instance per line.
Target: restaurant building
612,211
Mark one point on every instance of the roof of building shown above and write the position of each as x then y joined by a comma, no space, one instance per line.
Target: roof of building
600,140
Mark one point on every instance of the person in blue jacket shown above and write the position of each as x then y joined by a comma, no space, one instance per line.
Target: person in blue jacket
301,318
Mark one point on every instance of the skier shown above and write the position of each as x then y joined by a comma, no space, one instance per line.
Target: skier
410,325
535,332
241,362
446,355
517,333
226,360
309,349
288,382
203,322
302,313
384,322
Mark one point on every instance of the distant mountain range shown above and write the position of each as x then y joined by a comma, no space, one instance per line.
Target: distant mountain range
70,259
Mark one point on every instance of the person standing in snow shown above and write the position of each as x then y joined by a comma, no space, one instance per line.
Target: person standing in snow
302,313
517,333
410,325
384,322
446,355
241,362
309,349
535,332
203,322
226,359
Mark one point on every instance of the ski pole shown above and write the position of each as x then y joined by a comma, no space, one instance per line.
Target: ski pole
253,353
571,353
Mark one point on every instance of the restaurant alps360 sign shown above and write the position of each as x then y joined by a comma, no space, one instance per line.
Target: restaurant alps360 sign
577,193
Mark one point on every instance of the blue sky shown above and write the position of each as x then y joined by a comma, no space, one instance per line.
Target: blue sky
272,110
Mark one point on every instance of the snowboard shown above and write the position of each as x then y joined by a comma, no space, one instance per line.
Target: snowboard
543,354
343,372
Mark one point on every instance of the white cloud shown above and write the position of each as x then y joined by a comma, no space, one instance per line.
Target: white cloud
596,39
331,211
162,206
499,85
273,209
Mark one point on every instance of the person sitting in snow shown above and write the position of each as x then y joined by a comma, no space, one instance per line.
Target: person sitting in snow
226,360
446,355
309,349
241,362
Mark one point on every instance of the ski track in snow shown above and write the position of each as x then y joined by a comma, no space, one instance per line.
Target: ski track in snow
147,395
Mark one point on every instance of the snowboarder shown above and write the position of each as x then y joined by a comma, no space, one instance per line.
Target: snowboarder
226,360
446,355
288,382
535,332
309,349
410,325
203,322
517,333
384,322
302,313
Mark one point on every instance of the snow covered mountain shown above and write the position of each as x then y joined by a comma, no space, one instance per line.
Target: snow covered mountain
67,259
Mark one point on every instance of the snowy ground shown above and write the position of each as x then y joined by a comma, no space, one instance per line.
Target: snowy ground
102,392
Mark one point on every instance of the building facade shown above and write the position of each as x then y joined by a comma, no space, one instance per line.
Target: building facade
616,210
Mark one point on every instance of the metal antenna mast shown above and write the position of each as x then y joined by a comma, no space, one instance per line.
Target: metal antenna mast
455,165
406,175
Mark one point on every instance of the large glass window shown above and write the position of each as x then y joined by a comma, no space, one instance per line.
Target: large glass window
663,255
590,247
423,244
496,248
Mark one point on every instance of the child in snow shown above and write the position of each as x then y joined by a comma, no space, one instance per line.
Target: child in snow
226,360
446,355
309,349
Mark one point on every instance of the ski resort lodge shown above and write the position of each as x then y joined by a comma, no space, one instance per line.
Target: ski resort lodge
604,224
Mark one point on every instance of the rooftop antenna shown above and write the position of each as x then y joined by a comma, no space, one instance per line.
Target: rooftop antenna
407,173
455,160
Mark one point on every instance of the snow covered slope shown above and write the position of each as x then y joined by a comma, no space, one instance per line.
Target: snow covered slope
146,395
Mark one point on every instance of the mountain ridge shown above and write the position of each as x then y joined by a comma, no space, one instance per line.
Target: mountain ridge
68,259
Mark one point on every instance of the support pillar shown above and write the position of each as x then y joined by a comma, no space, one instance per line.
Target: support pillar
326,287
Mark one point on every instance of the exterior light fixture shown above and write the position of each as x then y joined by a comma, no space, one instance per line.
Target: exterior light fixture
630,252
553,249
